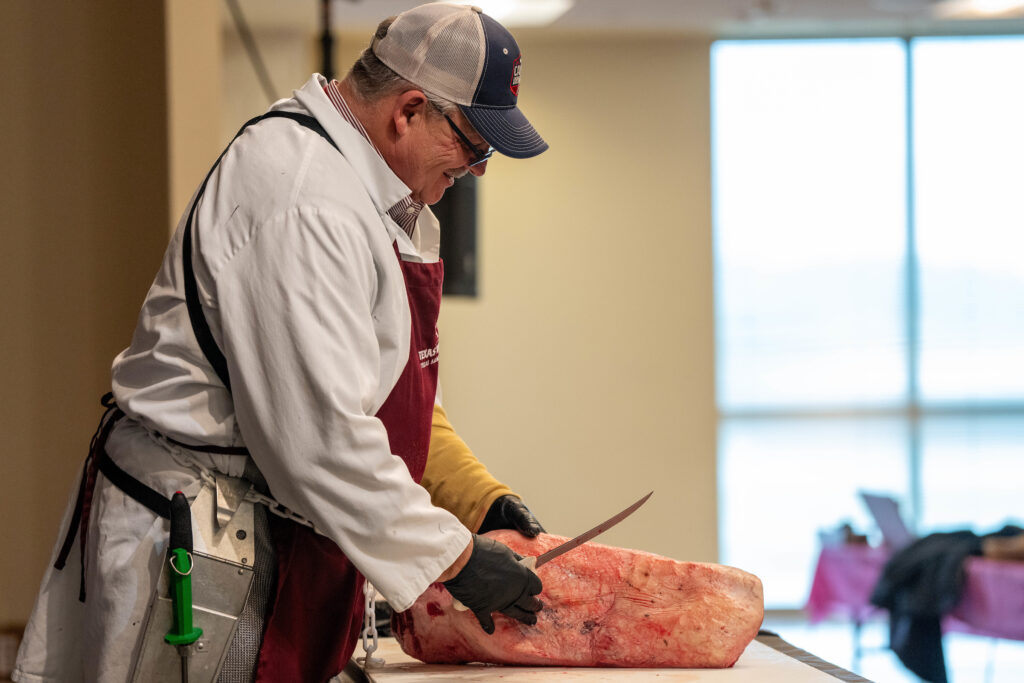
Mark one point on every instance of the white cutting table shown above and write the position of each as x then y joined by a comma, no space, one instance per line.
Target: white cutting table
760,663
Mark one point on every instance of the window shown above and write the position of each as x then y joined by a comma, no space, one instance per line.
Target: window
869,279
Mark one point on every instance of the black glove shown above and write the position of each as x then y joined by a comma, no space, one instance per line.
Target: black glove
494,581
508,512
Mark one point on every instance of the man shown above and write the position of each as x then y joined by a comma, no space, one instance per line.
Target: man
288,347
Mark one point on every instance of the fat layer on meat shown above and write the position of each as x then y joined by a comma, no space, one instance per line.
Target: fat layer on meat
603,606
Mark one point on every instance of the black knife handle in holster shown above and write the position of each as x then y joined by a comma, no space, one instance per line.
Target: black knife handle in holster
181,523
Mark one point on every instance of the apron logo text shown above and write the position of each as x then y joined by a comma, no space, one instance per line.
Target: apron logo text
428,357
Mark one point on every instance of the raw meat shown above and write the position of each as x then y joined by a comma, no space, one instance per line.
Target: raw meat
603,606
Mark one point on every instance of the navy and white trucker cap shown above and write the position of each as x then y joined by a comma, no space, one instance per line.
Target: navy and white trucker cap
460,54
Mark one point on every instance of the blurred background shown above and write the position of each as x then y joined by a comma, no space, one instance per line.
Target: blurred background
771,259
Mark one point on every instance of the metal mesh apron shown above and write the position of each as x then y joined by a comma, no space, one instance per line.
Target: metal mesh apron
240,662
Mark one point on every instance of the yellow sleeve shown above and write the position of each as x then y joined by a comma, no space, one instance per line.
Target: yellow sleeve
455,479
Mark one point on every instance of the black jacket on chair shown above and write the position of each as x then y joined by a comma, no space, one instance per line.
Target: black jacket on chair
919,585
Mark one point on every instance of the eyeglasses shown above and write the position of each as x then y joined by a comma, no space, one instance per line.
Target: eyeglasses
478,156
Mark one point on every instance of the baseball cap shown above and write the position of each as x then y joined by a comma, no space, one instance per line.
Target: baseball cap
459,53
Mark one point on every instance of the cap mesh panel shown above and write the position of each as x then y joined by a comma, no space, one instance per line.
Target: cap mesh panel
437,47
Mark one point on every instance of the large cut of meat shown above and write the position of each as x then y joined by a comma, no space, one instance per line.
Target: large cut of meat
603,606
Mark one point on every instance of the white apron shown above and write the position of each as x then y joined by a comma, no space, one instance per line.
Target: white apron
67,640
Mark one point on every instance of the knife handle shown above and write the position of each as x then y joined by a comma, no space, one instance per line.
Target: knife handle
530,562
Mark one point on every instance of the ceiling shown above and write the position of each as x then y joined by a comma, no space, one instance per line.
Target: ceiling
716,18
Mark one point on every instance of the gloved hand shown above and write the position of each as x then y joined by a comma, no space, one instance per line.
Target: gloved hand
508,512
494,581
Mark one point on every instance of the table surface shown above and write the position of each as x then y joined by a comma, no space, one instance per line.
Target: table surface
758,663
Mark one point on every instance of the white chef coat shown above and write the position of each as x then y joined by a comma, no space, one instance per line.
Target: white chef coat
296,270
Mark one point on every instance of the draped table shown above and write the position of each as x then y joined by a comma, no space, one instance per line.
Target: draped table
992,603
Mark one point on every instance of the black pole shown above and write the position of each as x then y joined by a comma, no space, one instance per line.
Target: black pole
253,51
326,41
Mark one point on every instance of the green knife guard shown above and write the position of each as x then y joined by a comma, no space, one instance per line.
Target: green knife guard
182,632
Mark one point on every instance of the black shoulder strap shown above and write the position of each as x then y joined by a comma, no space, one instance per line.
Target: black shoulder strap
200,326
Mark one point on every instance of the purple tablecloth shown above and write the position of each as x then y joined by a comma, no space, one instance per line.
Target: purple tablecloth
992,603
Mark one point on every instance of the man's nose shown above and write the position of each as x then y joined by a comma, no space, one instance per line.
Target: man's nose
479,169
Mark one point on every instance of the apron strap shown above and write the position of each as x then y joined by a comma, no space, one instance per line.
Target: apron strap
209,448
98,442
200,326
99,460
158,503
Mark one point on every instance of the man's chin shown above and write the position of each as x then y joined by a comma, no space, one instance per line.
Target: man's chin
434,197
434,194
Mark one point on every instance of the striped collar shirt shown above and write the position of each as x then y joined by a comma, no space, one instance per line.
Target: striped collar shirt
406,211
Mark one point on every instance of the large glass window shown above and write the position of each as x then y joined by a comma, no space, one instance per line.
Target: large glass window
809,190
969,205
869,305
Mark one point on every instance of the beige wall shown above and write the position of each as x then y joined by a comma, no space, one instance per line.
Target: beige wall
195,97
582,374
289,56
84,221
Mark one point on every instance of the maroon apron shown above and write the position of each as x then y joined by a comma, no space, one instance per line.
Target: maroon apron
317,613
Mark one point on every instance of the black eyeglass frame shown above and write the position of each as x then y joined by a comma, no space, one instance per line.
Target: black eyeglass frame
478,156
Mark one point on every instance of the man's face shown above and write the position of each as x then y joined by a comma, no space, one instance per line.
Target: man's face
431,156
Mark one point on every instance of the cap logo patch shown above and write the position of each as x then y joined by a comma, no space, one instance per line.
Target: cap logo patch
516,66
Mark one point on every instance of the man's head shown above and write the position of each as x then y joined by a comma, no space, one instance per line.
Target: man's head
447,79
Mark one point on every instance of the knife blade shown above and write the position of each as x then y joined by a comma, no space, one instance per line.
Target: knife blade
531,562
535,561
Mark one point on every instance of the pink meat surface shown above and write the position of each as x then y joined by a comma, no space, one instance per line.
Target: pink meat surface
603,606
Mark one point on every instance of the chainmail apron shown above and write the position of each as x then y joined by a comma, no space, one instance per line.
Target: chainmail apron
240,662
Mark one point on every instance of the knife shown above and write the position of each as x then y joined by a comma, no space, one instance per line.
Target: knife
531,562
182,634
534,561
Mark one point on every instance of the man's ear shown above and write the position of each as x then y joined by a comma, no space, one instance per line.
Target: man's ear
410,109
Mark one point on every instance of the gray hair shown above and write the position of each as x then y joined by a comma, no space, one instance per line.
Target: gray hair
374,80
